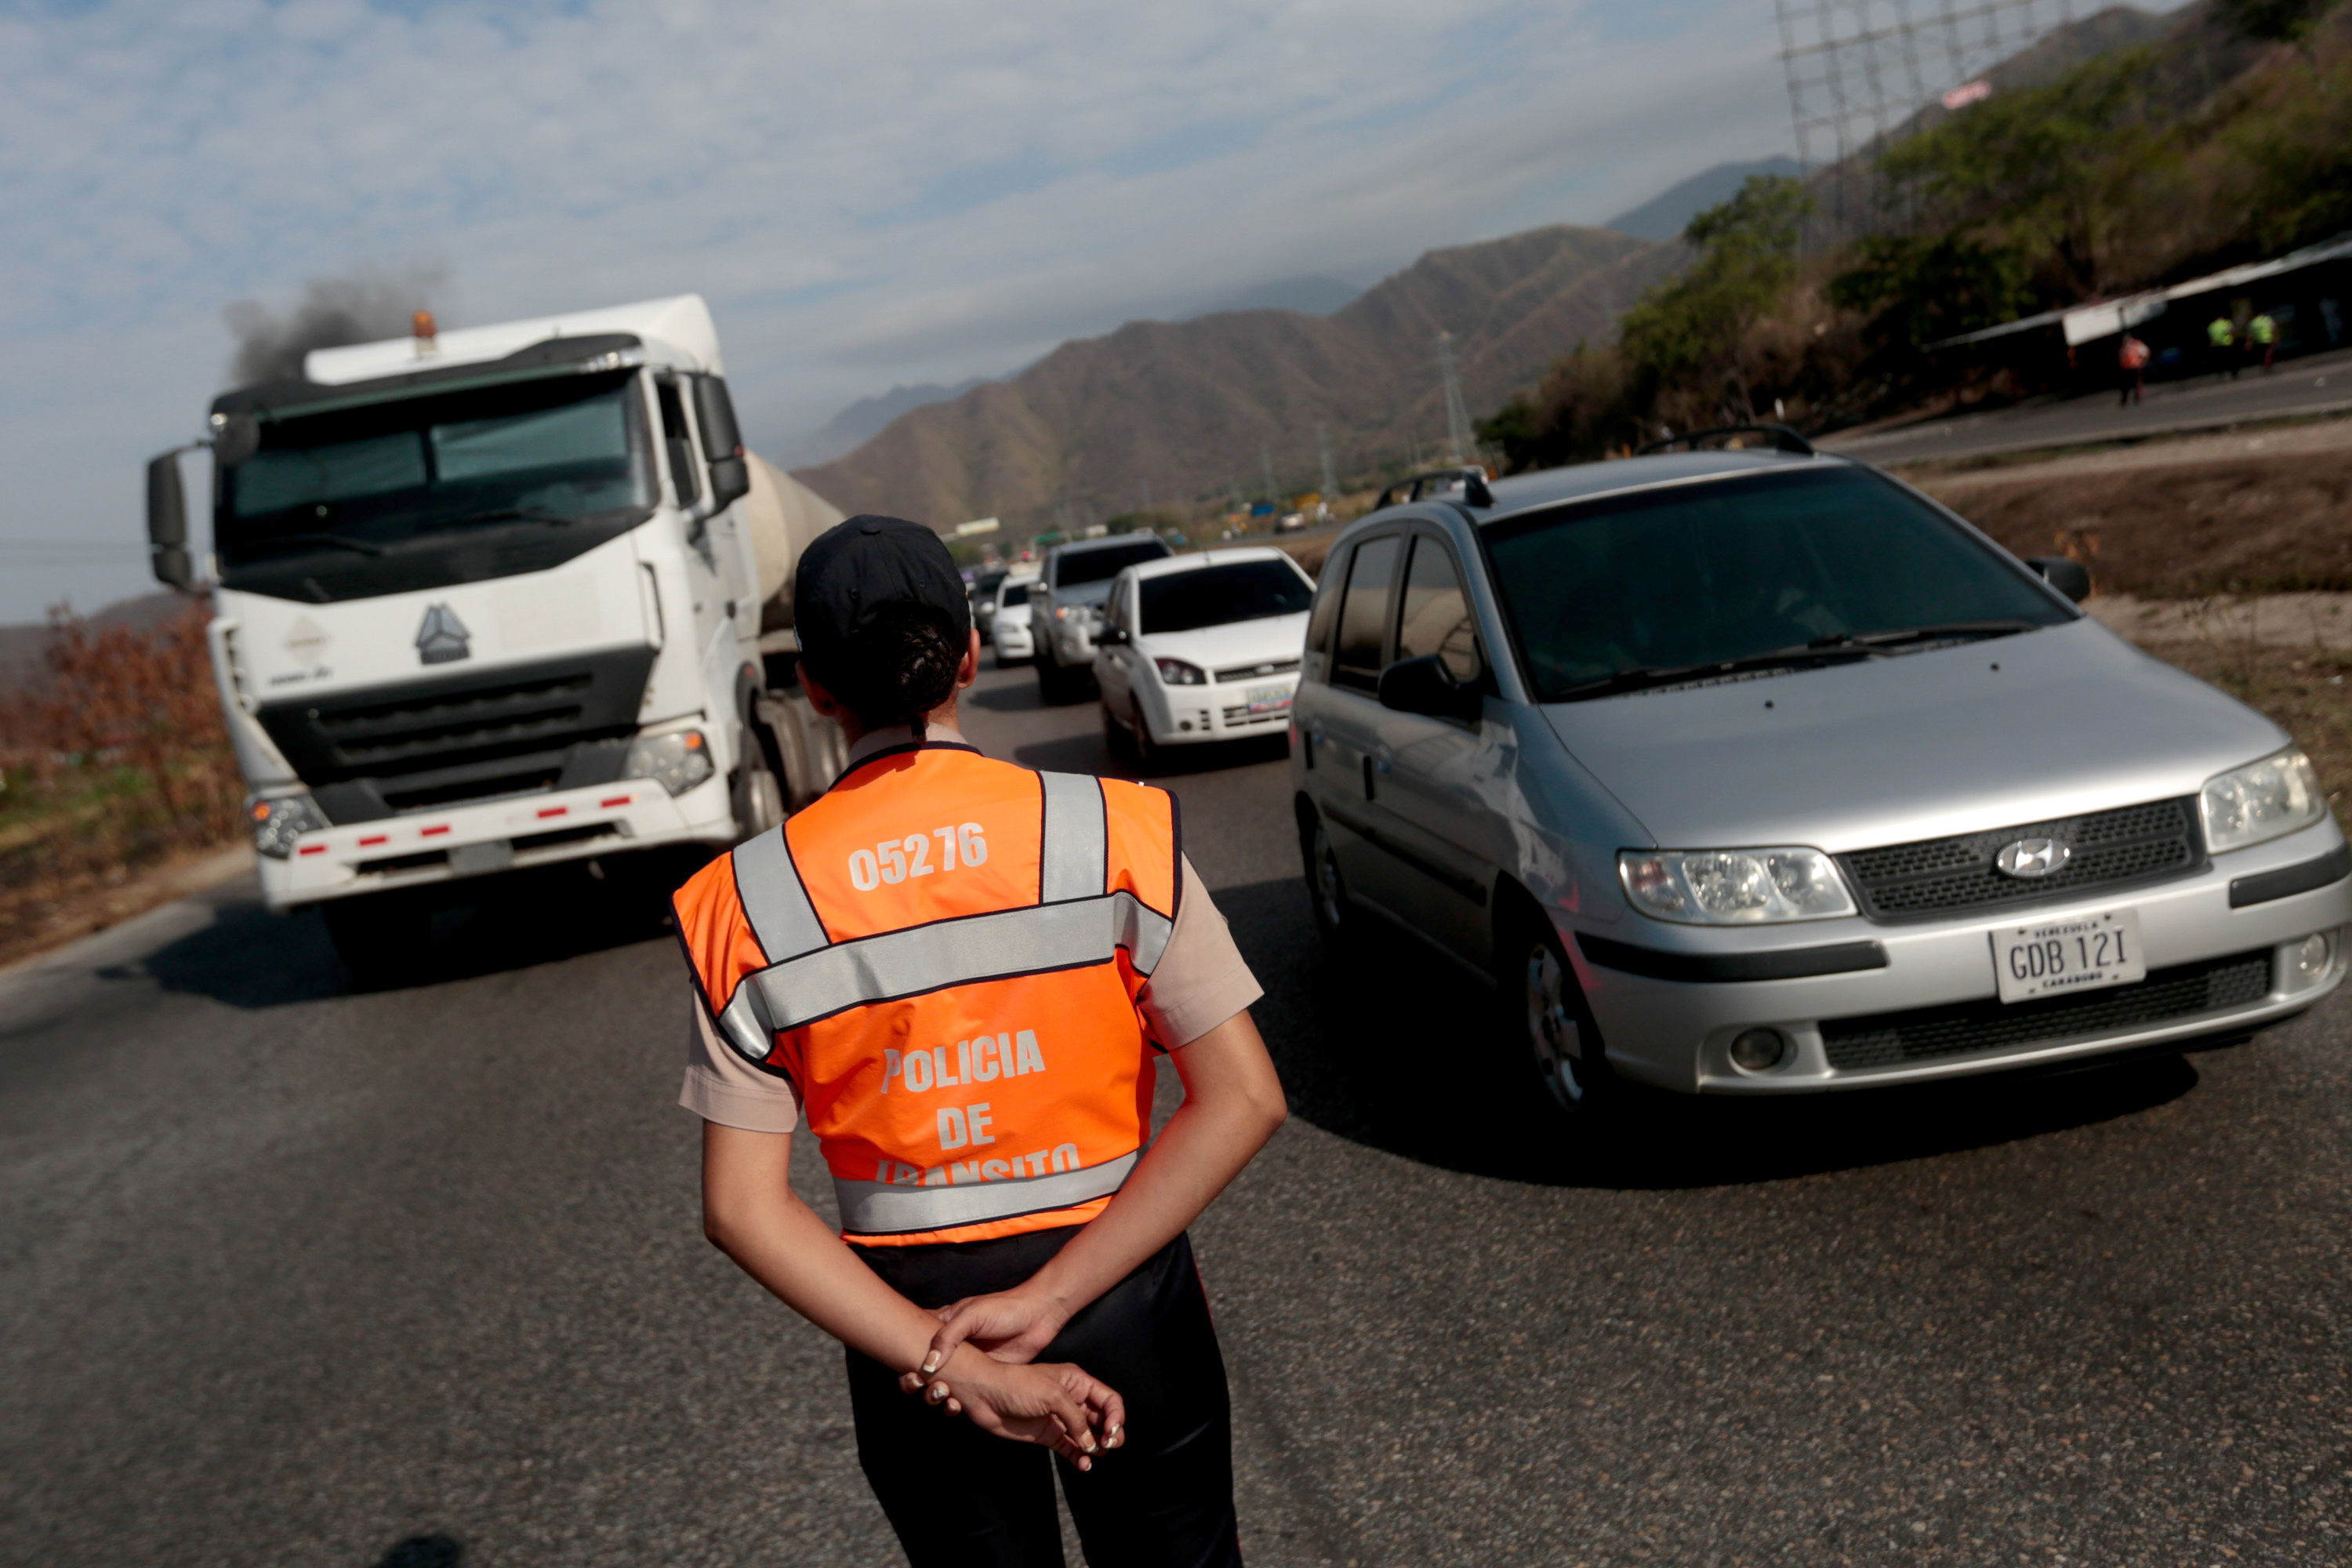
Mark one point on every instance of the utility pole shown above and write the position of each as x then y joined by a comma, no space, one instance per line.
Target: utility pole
1458,417
1323,450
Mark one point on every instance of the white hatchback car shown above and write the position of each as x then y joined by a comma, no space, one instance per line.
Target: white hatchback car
1009,631
1201,647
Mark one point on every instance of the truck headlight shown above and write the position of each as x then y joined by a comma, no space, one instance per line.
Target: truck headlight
2261,801
1733,886
277,823
677,761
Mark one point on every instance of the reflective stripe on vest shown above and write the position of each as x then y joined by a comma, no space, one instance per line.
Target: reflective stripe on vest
1032,941
880,1208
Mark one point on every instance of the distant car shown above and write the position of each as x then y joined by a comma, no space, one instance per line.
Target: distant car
1200,648
983,596
1756,771
1009,631
1065,607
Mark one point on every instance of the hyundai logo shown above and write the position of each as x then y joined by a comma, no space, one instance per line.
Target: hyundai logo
2032,857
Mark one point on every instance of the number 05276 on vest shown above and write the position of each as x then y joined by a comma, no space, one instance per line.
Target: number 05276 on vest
2081,952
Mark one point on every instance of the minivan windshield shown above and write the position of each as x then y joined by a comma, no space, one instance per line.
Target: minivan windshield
1215,595
1078,566
1769,571
551,451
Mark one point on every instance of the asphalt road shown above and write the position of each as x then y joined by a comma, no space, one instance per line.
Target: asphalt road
2321,384
296,1276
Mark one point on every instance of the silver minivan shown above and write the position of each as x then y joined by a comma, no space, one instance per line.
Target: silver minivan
1754,772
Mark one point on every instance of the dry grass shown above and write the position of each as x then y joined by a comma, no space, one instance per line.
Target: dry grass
117,766
2271,522
2307,692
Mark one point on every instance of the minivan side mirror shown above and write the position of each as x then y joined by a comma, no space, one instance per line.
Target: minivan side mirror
1426,686
1113,636
2070,578
167,523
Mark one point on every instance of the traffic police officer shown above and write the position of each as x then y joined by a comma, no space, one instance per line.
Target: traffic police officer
957,973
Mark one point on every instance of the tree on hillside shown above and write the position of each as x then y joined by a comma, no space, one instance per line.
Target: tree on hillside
1688,333
2046,170
2274,21
1917,290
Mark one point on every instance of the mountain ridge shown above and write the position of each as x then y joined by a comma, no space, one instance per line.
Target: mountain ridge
1172,412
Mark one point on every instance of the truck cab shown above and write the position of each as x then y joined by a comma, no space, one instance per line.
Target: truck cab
485,600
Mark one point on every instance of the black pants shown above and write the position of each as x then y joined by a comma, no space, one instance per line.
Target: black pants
956,1495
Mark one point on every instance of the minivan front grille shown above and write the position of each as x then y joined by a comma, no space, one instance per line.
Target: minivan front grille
1926,1034
1938,877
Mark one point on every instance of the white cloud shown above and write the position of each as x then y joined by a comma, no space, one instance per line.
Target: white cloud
897,191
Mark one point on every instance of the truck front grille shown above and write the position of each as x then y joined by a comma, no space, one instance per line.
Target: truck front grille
1939,877
468,737
1926,1034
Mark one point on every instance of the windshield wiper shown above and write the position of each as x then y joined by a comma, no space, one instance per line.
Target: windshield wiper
1948,630
340,542
506,514
1844,646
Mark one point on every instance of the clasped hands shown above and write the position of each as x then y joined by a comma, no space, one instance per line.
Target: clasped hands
981,1364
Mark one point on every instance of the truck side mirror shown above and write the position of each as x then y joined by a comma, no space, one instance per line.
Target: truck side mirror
1426,686
731,472
167,523
2070,578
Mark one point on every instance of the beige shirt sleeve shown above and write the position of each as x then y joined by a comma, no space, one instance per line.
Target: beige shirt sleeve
721,1087
1202,980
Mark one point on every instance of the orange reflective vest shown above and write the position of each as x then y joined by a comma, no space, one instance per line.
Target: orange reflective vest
944,954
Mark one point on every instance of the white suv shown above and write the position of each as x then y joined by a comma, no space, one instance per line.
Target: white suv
1065,607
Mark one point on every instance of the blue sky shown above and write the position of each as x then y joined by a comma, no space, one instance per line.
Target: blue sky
868,193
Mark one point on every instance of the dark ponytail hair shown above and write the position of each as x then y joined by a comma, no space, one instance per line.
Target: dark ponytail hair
896,666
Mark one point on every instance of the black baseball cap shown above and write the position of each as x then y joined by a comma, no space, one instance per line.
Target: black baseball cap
856,566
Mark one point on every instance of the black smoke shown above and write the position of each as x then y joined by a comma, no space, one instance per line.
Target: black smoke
358,307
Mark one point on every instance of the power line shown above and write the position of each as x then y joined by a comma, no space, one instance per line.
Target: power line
1457,416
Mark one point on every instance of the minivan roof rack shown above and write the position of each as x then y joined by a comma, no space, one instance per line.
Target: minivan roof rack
1469,478
1783,438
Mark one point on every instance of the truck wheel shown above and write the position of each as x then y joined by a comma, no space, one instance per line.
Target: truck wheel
759,799
381,940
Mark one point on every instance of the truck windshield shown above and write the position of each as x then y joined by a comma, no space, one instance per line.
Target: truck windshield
367,479
1772,571
1102,565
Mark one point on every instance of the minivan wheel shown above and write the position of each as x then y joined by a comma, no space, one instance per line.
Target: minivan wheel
1325,889
1555,1026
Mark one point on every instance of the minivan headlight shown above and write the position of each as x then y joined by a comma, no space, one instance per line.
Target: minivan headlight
2261,801
1733,886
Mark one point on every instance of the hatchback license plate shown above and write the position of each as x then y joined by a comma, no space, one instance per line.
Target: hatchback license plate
1267,699
2084,953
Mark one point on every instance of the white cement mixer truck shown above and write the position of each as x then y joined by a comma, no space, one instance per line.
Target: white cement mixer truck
497,598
